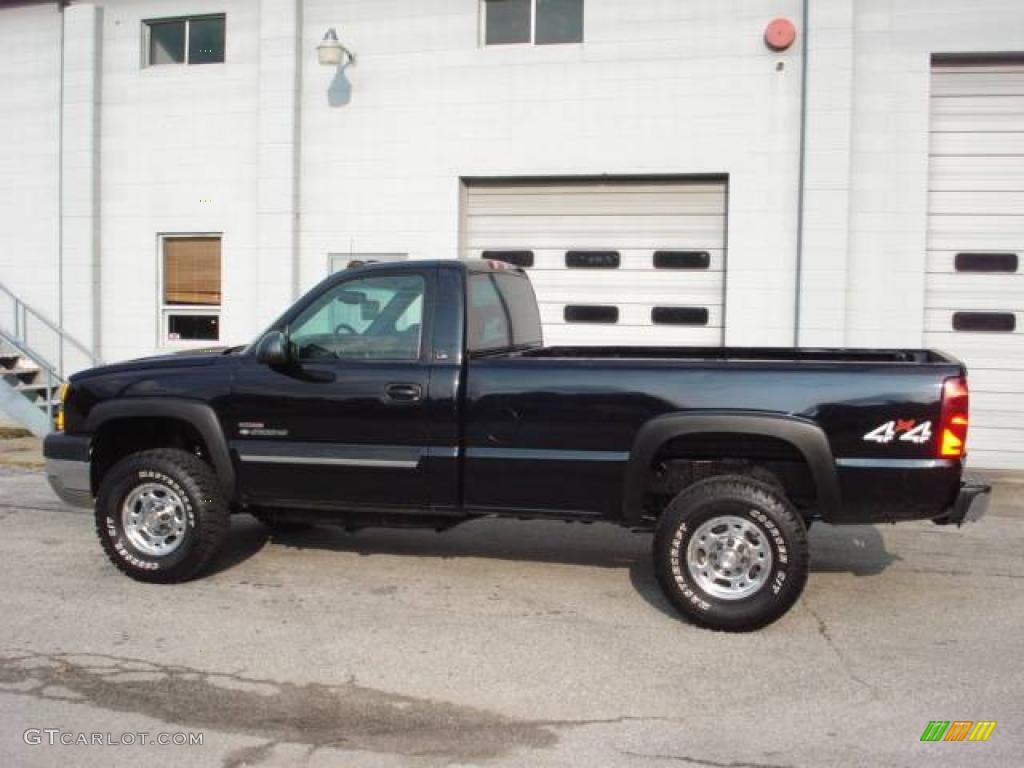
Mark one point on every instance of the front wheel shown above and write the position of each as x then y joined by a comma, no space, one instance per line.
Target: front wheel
731,553
161,516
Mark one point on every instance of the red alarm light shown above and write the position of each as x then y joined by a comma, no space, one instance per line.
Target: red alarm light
779,34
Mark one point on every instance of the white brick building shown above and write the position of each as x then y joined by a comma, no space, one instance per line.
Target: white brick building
825,207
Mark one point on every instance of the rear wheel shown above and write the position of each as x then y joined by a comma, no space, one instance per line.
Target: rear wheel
160,515
731,553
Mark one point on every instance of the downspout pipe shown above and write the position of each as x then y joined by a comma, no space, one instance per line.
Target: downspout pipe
801,175
60,189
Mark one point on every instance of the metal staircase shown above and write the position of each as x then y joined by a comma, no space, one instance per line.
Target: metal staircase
36,355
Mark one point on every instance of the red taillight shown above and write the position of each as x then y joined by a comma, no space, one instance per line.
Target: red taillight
953,419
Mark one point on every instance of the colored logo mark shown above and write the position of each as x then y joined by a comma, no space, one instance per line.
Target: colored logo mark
958,730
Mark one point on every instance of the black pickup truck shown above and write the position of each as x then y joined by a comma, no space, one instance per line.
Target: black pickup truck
420,394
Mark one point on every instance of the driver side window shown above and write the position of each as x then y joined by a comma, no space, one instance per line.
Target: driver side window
369,318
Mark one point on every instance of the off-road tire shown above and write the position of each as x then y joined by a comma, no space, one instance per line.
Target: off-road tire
775,517
207,519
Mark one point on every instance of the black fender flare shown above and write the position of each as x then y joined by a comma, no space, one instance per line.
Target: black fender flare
200,415
803,434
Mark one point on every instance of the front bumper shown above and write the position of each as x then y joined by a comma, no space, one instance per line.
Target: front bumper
67,468
971,502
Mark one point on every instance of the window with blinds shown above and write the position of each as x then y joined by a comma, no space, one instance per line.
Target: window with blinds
192,270
191,287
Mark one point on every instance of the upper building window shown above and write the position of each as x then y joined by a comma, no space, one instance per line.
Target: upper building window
541,22
194,40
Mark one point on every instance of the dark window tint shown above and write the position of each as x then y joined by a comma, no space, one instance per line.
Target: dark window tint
193,327
206,40
519,258
167,42
507,21
592,259
522,307
984,321
682,260
986,262
581,313
502,313
489,322
559,21
679,315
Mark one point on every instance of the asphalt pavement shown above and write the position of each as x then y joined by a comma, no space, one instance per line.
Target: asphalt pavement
500,643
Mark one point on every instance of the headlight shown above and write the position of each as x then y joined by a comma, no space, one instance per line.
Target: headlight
58,416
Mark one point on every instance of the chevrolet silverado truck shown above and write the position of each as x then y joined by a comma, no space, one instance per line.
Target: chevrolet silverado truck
421,394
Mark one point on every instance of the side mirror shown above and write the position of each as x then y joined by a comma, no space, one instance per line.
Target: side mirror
274,350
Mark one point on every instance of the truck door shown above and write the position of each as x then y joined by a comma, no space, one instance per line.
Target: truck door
344,424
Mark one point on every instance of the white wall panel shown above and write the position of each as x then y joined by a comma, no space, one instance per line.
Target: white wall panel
968,213
29,153
178,155
891,168
658,87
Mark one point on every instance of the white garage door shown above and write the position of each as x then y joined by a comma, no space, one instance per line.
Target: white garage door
624,262
974,305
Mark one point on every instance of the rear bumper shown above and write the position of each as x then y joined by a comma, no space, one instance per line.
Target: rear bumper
67,468
971,502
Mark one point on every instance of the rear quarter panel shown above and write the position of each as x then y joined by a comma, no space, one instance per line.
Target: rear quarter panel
598,405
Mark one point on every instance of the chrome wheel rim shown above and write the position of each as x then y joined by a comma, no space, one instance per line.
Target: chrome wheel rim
729,557
154,520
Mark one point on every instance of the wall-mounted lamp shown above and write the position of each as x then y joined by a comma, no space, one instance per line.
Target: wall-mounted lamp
332,53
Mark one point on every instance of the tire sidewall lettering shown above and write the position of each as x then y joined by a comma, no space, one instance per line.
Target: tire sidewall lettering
689,593
115,532
768,525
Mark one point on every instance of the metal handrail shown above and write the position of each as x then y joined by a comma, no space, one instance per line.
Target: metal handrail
52,377
31,354
19,335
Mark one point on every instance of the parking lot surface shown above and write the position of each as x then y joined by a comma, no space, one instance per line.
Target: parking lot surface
502,643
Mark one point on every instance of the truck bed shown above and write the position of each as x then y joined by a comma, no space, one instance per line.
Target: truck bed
554,409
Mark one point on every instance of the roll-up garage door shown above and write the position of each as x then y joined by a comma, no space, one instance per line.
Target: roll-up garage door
613,262
974,301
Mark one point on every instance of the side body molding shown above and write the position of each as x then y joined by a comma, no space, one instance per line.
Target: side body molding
803,434
199,415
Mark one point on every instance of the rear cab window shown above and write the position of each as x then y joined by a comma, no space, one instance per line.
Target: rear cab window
502,313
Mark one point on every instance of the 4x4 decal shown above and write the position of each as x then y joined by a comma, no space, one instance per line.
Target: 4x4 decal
901,429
